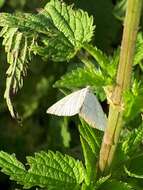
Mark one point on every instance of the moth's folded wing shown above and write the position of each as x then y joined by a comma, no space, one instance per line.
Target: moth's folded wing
69,105
91,111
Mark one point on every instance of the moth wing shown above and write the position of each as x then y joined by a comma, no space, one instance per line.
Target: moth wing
91,111
69,105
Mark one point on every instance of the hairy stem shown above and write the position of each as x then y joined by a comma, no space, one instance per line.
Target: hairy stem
115,118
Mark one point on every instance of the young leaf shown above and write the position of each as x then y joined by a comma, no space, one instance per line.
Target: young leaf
16,47
98,55
82,77
71,29
96,76
120,9
134,168
12,167
26,23
88,75
133,174
107,64
47,170
90,140
57,32
114,184
75,25
133,101
66,137
139,50
102,180
132,142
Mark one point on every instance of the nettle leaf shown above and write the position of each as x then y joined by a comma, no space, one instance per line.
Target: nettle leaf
133,99
17,49
76,25
107,64
114,184
139,50
26,22
131,144
90,140
95,75
62,29
98,55
19,34
72,29
57,32
82,76
102,180
47,170
120,9
65,133
133,174
12,167
134,166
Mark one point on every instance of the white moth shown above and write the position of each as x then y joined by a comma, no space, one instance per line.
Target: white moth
84,103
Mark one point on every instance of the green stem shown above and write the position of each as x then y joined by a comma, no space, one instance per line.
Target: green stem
115,118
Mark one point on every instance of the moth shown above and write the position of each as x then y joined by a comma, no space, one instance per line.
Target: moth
84,103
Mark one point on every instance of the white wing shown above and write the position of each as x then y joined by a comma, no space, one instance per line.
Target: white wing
69,105
91,111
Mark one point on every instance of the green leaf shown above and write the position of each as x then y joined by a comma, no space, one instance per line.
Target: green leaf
16,47
107,27
75,25
47,170
120,9
26,23
66,137
131,144
98,55
115,185
2,3
134,167
92,74
107,64
133,174
139,50
18,38
90,140
71,29
102,180
133,101
11,166
61,32
57,32
80,77
88,75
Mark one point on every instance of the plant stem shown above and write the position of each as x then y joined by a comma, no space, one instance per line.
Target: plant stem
123,79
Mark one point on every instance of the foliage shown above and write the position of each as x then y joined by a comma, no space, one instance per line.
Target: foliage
52,170
40,45
61,29
120,8
97,74
2,3
131,146
90,144
133,101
